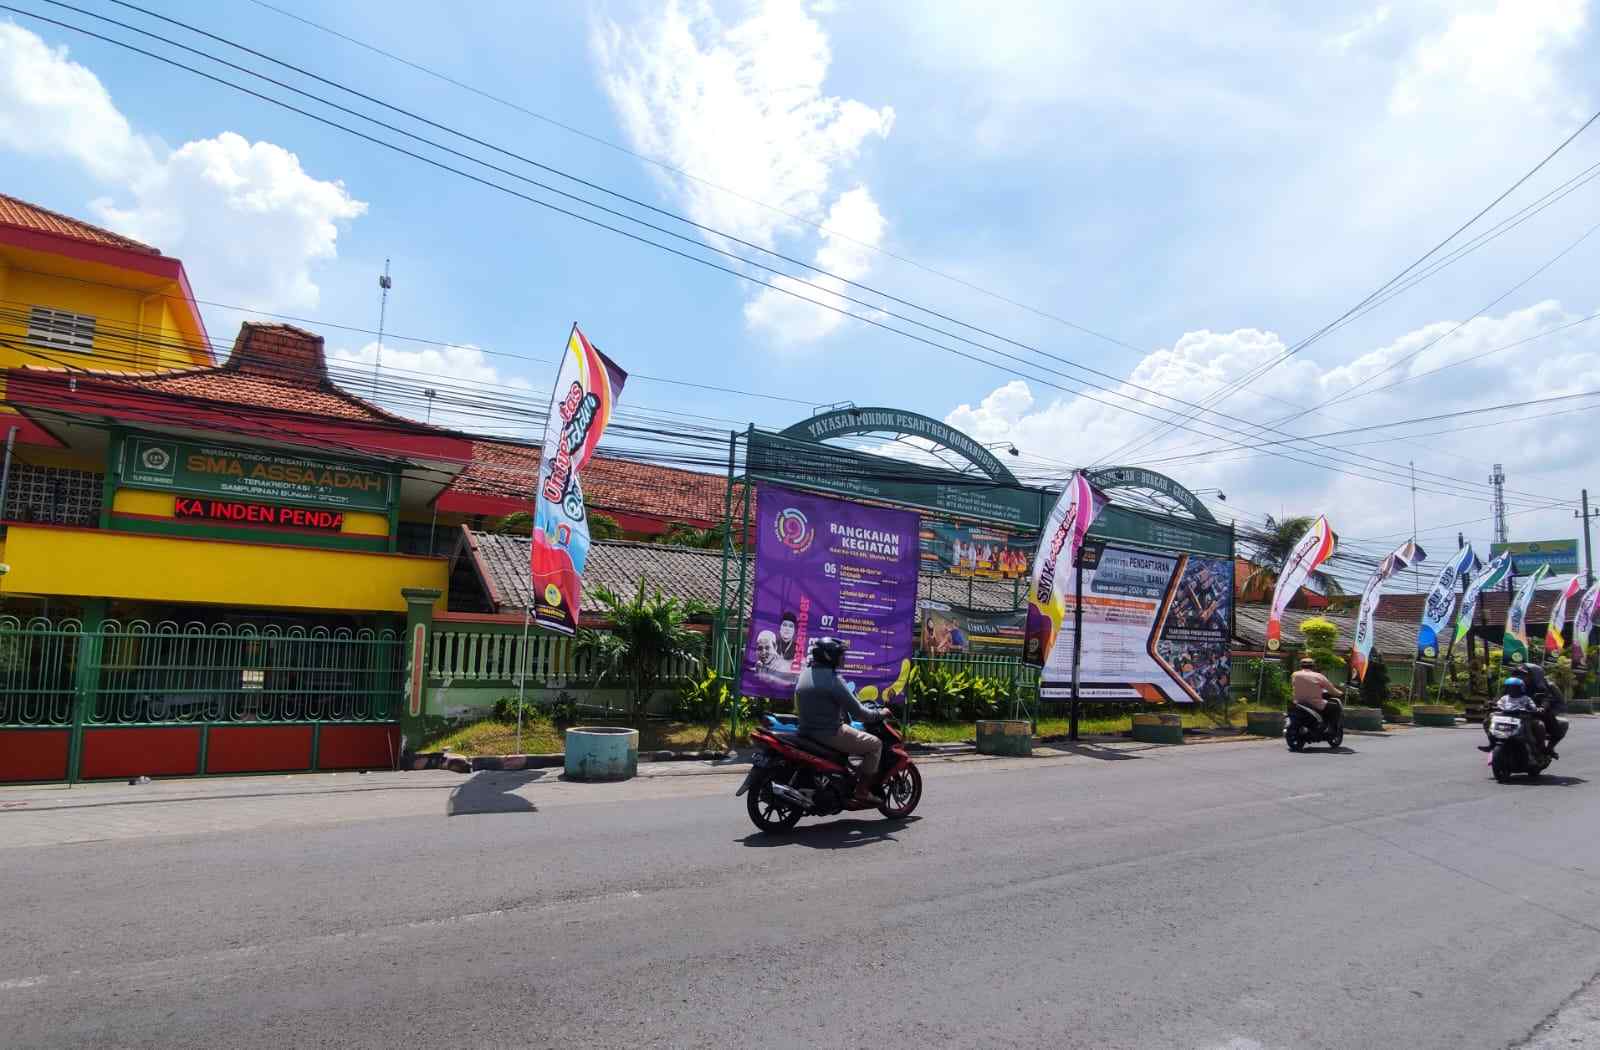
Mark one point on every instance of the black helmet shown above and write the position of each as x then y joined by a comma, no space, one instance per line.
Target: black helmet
828,652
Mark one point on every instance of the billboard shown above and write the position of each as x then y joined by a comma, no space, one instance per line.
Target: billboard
1528,555
972,552
830,567
949,629
254,474
1156,627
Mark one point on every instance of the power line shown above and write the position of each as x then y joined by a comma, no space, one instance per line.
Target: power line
775,286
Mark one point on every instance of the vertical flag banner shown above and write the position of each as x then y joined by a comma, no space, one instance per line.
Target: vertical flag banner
1063,535
1492,575
1408,553
1554,641
1314,548
586,391
1442,602
1514,646
1583,624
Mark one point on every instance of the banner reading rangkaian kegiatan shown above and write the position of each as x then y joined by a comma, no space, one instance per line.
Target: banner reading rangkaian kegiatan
1408,553
831,567
1314,548
1059,544
1554,639
1583,624
586,391
1514,646
1442,602
1491,576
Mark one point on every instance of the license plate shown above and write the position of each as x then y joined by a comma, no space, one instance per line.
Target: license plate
748,777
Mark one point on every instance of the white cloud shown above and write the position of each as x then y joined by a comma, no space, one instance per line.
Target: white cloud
742,104
1364,28
1504,53
853,224
1543,452
462,376
52,107
250,223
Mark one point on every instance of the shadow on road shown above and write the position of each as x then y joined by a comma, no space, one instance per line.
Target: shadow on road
838,834
493,793
1099,751
1329,751
1547,780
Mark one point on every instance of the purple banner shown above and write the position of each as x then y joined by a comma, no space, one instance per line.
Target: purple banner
830,567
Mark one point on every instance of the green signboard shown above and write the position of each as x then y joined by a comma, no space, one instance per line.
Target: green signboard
253,474
1528,555
857,475
1163,532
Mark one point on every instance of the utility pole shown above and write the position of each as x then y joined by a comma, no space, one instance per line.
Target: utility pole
384,283
1416,584
1588,551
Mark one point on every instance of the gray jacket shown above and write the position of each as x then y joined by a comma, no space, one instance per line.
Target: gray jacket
823,703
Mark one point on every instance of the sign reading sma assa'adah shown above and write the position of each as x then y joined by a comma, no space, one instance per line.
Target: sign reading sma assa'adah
253,474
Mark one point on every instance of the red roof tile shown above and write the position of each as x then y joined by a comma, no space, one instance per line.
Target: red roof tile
21,214
502,470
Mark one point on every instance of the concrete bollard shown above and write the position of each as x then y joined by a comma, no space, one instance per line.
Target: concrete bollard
1264,723
602,753
1437,715
1158,729
1005,737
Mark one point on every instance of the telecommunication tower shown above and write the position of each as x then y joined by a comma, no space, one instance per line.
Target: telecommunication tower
1498,480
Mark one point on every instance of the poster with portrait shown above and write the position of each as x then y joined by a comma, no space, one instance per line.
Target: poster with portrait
951,629
1156,627
831,567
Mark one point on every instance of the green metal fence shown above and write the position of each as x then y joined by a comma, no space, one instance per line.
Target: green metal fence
141,673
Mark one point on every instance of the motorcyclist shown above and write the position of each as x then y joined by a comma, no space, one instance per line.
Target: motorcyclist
826,706
1312,688
1549,700
1516,698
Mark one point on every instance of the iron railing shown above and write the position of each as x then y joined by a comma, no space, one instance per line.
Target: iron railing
141,673
543,661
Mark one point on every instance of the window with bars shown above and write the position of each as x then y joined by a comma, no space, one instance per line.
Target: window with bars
54,496
60,329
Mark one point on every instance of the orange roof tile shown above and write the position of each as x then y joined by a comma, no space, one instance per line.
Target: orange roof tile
504,470
21,214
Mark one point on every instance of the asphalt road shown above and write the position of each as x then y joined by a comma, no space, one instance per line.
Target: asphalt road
1220,896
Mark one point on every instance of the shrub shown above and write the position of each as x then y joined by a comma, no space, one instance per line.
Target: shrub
944,694
1275,691
1375,684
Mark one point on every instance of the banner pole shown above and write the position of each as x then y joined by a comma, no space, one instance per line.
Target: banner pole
1077,641
522,676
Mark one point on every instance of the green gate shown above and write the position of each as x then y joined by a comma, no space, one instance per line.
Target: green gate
63,680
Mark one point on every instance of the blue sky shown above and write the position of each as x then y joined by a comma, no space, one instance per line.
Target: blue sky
1204,184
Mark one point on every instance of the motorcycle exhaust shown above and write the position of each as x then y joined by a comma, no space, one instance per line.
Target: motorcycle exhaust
789,794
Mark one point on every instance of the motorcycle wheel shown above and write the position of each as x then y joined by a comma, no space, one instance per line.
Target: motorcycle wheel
901,793
767,812
1500,764
1336,741
1295,740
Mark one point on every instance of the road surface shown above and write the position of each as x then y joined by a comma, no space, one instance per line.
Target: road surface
1220,896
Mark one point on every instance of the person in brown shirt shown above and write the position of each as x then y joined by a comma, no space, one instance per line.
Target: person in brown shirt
1310,684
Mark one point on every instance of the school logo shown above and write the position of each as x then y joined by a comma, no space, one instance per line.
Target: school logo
552,595
156,458
794,531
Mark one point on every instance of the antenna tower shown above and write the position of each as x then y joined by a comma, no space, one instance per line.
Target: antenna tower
1498,480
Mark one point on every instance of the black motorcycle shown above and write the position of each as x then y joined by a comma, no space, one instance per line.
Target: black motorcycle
1306,725
1514,747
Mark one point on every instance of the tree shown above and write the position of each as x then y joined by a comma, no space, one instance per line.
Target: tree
601,527
681,535
647,630
1271,546
1322,639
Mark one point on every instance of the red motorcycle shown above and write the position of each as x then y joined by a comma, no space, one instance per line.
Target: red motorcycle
793,776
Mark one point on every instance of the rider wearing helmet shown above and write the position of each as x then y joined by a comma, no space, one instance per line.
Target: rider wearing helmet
825,707
1549,700
1312,688
1516,698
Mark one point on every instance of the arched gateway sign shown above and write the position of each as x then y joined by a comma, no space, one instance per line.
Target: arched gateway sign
798,457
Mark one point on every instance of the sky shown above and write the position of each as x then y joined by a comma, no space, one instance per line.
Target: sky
1170,195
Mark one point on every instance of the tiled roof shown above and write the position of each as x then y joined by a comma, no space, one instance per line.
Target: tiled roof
21,214
273,366
683,572
509,471
1397,640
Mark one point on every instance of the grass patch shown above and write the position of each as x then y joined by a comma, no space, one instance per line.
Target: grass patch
543,737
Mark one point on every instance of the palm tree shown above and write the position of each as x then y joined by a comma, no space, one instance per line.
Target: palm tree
681,535
520,523
1270,547
647,631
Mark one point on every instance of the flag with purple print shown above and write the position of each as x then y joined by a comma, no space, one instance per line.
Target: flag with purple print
1583,624
1063,535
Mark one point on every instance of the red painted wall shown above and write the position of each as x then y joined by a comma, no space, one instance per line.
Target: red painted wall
164,752
258,749
358,747
34,754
